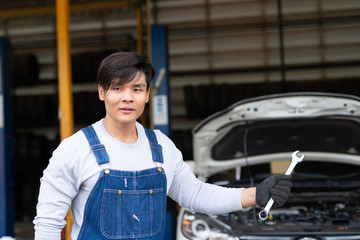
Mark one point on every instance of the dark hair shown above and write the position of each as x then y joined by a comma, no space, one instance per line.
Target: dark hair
121,67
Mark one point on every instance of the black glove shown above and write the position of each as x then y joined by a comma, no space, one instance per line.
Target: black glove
276,187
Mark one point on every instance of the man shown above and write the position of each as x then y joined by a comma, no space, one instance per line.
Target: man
115,175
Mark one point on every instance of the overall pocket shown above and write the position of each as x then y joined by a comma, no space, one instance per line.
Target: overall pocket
131,213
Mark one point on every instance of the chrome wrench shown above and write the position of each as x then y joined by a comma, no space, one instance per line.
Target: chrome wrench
264,214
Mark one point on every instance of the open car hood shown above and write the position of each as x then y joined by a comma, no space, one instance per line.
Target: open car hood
264,129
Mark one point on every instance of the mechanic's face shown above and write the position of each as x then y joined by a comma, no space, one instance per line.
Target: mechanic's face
125,103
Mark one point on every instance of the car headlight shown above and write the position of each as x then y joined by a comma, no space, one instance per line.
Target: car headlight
196,226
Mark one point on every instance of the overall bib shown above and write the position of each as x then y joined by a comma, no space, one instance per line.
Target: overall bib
125,204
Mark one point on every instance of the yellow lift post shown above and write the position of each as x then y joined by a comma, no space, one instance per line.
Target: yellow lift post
66,114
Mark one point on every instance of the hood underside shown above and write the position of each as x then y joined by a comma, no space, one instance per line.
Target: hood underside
269,128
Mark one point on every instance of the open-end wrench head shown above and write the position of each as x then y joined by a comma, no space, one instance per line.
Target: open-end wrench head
296,158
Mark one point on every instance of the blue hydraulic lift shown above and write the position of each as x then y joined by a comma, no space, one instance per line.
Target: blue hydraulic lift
6,164
161,92
161,101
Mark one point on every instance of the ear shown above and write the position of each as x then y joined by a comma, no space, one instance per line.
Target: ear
148,95
101,93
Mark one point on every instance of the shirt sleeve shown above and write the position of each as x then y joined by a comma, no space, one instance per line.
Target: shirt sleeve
202,197
57,189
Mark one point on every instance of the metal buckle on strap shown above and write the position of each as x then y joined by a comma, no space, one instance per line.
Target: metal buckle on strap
158,164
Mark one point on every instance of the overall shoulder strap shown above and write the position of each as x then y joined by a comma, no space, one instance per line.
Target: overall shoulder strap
96,147
156,149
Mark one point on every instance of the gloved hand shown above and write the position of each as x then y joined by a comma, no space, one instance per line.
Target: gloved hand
276,187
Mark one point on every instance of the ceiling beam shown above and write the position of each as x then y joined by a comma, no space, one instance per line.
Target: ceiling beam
19,12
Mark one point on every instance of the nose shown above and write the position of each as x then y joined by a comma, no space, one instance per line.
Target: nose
128,95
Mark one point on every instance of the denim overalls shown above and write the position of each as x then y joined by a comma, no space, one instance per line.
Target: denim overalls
125,204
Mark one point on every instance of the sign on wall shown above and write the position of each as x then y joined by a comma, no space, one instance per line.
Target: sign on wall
160,107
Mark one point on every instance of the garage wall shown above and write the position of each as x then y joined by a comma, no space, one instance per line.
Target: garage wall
237,42
213,41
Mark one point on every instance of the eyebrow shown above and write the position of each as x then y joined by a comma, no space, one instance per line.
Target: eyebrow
138,85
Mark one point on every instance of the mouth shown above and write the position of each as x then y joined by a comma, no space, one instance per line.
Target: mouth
127,110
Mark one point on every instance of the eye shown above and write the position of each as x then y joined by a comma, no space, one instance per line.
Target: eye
116,89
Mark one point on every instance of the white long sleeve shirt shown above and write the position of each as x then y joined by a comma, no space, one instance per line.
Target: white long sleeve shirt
73,171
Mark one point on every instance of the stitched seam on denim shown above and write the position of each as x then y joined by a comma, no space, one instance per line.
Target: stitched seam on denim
119,216
113,192
102,213
132,211
87,204
160,148
161,213
102,227
144,175
97,149
156,155
151,212
97,144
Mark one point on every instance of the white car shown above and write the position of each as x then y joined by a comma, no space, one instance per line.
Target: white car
252,139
